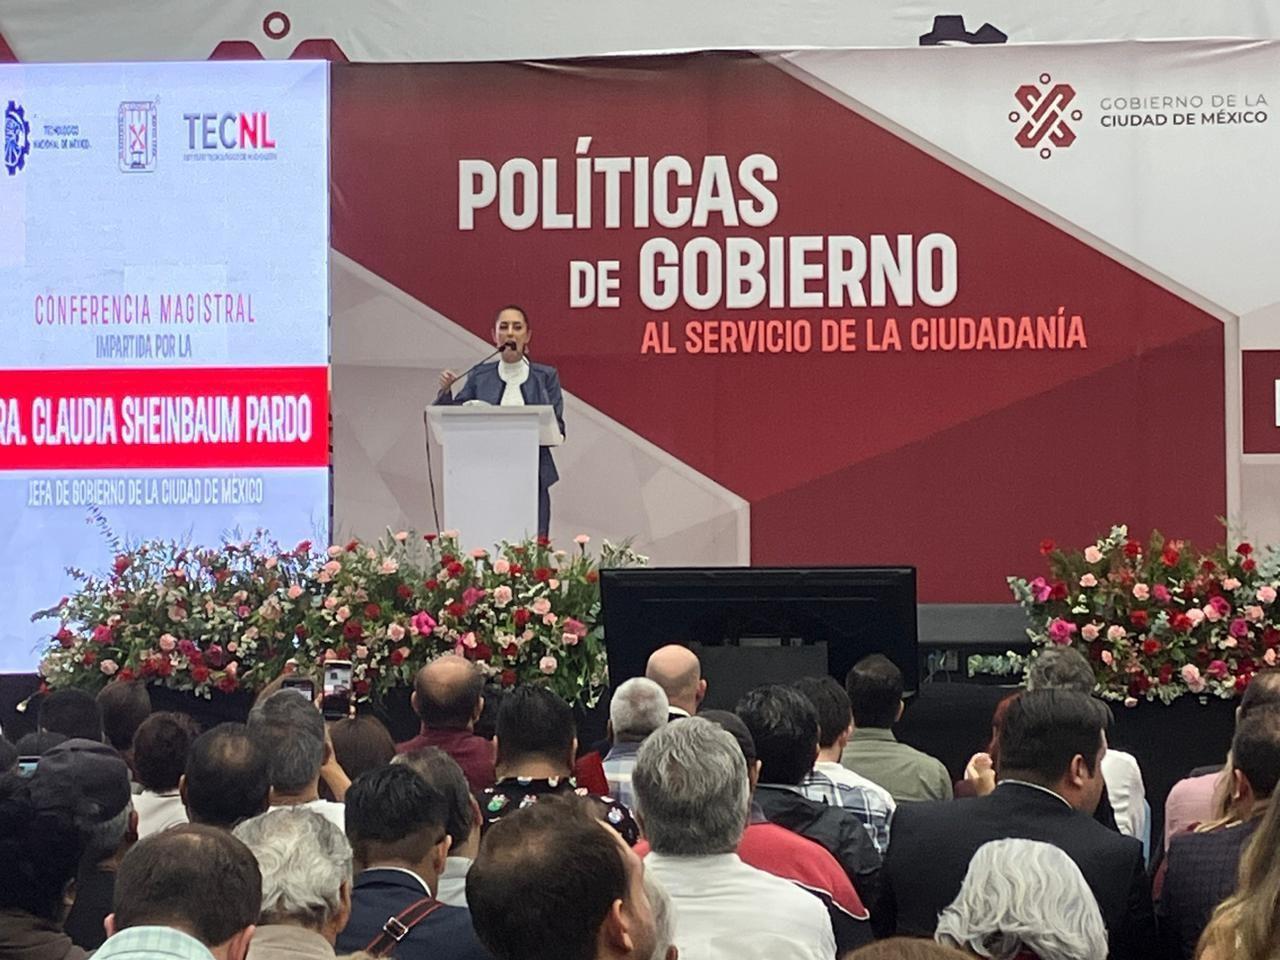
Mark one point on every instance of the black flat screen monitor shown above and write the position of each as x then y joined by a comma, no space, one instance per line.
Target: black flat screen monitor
753,625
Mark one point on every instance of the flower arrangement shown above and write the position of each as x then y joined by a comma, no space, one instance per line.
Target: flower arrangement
229,619
1157,620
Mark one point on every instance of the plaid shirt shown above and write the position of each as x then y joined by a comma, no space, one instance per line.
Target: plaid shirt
864,804
153,943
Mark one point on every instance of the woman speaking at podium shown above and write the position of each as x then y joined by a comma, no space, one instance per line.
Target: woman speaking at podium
514,381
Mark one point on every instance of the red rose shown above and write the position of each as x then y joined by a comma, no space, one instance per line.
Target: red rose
90,658
352,631
592,576
1046,547
1151,646
431,584
429,537
541,574
1271,637
1139,685
372,611
121,564
1139,618
516,570
125,675
1166,674
454,569
164,666
456,609
521,616
1248,566
510,651
303,548
227,684
342,653
1181,622
360,688
1242,682
404,592
1058,591
1170,556
221,576
447,558
544,542
352,546
396,657
508,678
1208,566
1132,548
1244,549
195,658
300,631
200,674
483,652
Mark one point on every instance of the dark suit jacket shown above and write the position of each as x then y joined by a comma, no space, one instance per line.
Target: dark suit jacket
379,895
542,388
932,844
1201,873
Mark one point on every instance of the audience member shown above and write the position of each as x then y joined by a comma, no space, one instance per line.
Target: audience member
397,828
36,744
160,750
784,726
832,782
1051,747
189,893
552,883
1024,898
638,707
91,781
445,779
8,757
124,705
291,731
694,799
72,713
40,850
909,948
227,778
1065,668
678,672
875,689
305,863
664,921
776,850
1203,867
447,697
1247,925
1192,799
361,744
535,746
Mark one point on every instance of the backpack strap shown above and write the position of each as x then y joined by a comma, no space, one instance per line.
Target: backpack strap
398,927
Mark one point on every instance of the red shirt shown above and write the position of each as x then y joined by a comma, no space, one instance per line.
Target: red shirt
473,754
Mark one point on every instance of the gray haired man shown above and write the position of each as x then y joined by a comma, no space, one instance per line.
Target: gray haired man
290,731
693,797
639,707
306,883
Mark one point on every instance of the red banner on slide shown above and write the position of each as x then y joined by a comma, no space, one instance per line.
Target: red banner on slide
170,418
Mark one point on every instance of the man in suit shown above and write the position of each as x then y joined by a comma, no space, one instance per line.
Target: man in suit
396,825
1050,778
515,381
1203,867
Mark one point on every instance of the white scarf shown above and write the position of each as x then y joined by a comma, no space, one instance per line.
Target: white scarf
513,375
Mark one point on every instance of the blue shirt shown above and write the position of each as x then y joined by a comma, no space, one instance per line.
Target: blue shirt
153,942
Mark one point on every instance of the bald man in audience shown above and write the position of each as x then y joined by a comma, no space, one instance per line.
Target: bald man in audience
447,699
677,671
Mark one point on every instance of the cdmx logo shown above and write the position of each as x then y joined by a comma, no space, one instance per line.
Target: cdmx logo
1044,115
17,138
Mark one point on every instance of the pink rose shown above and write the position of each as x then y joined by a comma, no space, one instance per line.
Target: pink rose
295,592
479,553
1191,677
1239,627
1211,614
541,606
1115,632
1040,590
548,664
569,639
1253,612
575,626
402,536
1141,591
395,633
1107,657
1088,580
404,653
332,567
501,566
1231,583
1269,658
232,646
1218,668
582,539
334,551
1060,630
362,652
1267,594
1092,555
549,619
450,534
167,642
343,613
330,602
1221,604
501,595
1090,631
177,613
469,640
422,623
1230,643
242,611
389,566
1196,616
108,667
471,596
553,584
1161,593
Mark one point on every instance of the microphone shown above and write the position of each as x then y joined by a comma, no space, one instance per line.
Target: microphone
478,363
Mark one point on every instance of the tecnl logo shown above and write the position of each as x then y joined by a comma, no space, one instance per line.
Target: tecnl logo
228,131
1044,116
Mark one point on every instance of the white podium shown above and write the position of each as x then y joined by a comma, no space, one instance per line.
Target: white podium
491,469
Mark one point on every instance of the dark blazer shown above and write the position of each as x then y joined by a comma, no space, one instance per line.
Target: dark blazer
379,895
933,842
542,388
1202,872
